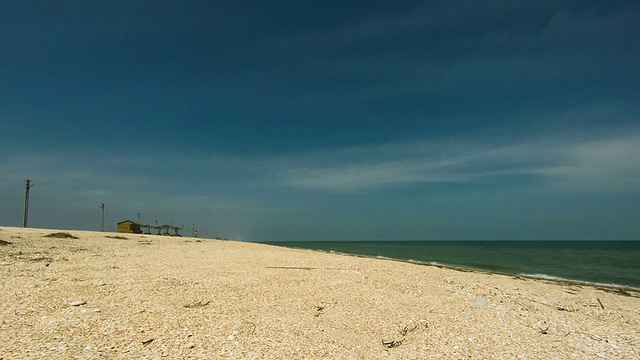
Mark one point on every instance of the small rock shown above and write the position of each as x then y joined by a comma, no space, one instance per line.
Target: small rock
191,345
77,303
480,303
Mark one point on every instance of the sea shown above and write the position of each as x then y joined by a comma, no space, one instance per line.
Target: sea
604,263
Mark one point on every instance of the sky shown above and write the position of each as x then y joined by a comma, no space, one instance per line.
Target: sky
330,120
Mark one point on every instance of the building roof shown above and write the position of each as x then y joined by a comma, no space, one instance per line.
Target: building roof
129,221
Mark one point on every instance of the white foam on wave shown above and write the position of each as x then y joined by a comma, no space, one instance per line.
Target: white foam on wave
574,281
544,277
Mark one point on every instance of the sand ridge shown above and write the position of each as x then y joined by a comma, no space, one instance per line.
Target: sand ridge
123,296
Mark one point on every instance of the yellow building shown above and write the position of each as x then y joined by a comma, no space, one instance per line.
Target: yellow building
129,226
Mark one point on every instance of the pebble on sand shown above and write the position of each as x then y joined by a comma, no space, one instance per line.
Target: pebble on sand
480,303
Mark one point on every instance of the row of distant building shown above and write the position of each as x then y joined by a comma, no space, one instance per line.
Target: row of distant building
132,227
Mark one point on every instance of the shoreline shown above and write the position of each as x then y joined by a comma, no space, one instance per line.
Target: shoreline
621,288
116,295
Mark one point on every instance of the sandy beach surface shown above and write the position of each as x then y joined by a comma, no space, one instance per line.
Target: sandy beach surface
125,296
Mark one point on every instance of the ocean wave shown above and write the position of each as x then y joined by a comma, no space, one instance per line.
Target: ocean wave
545,277
431,263
539,276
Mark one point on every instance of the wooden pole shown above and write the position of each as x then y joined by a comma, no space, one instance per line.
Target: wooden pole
102,221
28,185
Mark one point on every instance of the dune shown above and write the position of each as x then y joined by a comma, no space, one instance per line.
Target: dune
106,295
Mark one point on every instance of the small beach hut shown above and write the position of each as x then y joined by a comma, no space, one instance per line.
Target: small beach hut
129,227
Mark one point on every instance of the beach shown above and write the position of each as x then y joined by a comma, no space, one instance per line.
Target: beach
107,295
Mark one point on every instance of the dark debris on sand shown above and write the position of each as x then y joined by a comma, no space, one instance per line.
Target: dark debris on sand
62,235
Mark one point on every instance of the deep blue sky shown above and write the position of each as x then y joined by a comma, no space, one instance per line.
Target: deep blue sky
280,120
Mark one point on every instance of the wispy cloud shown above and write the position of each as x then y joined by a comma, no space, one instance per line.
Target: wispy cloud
611,164
603,164
566,161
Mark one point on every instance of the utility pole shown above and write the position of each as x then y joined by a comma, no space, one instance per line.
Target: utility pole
28,184
102,222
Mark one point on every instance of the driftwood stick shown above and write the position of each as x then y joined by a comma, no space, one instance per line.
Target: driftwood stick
600,302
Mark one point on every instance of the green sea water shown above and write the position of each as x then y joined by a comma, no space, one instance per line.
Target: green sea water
600,262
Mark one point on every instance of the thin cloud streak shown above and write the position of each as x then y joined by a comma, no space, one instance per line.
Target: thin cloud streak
601,165
609,164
